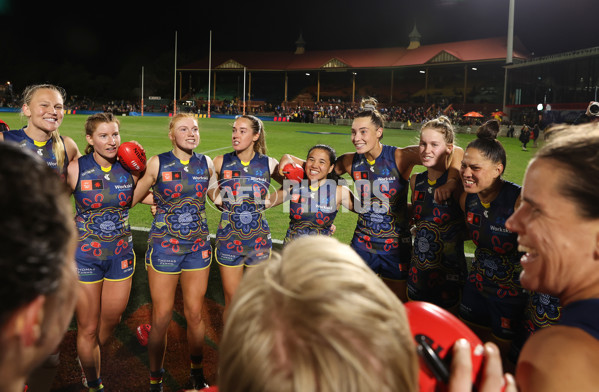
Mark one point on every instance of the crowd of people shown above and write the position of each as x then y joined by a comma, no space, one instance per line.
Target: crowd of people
322,315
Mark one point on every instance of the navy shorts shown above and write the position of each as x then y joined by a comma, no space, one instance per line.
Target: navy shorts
386,266
164,260
117,267
504,316
236,260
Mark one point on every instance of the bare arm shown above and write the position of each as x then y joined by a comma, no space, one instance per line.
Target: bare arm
345,197
71,148
147,180
73,174
275,170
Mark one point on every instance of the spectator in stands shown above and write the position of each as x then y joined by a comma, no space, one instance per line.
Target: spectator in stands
303,321
558,227
38,284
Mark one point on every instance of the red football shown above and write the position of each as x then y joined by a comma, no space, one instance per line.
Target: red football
293,172
440,330
132,156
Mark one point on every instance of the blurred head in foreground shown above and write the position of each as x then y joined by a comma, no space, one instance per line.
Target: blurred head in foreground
316,318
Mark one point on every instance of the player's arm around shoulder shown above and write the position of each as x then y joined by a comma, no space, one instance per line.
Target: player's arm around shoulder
345,197
73,174
559,358
213,190
343,164
146,181
73,152
275,170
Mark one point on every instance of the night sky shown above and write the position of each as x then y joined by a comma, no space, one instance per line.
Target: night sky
114,39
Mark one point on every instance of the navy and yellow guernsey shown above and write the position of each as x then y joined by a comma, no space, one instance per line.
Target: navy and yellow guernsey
312,210
43,149
102,200
438,265
243,230
382,206
180,225
496,267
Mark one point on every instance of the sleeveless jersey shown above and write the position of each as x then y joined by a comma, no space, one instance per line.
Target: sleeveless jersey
102,201
583,314
243,230
439,240
180,197
312,211
383,195
496,267
44,151
542,310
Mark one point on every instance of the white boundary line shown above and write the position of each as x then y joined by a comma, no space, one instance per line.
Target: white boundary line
216,149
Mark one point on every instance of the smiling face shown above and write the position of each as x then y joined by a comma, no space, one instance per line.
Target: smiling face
185,134
433,148
478,172
560,245
365,135
318,164
45,110
243,136
106,140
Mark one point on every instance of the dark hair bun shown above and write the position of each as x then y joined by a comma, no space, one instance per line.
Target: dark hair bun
488,130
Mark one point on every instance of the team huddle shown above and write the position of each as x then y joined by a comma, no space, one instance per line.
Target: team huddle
416,246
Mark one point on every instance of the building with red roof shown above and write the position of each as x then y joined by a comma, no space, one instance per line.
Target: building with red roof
464,72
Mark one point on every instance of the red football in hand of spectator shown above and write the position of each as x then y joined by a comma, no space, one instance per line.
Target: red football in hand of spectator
435,331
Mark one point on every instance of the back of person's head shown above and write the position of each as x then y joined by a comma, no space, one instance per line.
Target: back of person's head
36,246
486,142
316,318
576,150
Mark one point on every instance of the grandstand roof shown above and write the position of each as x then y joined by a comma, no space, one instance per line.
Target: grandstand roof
488,49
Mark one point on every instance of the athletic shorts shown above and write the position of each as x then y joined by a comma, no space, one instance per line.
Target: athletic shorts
91,269
164,260
236,260
435,285
504,316
386,266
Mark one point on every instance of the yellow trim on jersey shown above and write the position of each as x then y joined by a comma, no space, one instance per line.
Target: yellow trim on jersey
184,162
106,169
432,182
371,162
486,205
224,265
40,144
244,163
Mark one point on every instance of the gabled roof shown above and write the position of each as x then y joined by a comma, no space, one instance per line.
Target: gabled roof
487,49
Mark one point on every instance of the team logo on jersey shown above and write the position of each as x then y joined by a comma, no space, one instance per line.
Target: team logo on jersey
171,176
126,264
229,174
91,185
418,196
473,219
360,175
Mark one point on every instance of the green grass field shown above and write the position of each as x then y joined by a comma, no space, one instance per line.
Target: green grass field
292,138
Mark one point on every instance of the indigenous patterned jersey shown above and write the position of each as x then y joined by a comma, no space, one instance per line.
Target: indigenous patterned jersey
180,196
243,230
496,267
312,211
542,310
382,193
44,150
439,241
102,200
